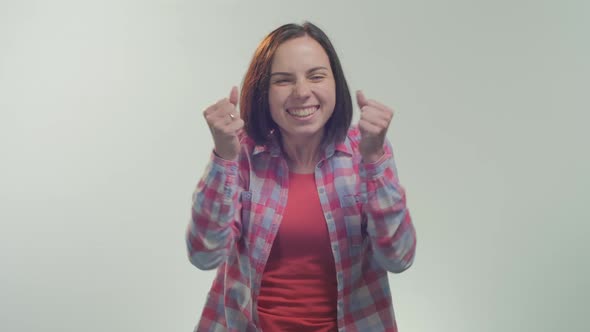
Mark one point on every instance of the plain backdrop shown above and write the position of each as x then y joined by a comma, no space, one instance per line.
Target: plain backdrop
103,142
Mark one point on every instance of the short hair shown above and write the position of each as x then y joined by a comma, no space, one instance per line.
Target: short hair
254,105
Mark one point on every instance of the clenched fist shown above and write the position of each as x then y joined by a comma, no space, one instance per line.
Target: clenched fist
375,119
224,122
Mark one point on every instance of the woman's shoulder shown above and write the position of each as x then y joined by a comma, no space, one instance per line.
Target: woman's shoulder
354,134
249,147
351,141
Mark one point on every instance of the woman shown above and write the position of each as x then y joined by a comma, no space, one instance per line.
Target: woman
301,214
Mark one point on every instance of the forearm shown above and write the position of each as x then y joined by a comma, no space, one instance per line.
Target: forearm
214,224
389,224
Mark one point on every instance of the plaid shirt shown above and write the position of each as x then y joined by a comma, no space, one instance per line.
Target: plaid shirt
237,209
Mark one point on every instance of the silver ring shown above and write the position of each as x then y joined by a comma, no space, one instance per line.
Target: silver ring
232,116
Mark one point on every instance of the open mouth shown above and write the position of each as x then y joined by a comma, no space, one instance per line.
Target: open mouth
303,112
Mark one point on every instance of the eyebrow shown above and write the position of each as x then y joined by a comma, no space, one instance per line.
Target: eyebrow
290,74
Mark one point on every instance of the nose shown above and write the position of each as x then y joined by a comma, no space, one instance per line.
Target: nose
301,89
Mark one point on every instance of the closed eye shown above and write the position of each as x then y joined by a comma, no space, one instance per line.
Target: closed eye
317,78
282,81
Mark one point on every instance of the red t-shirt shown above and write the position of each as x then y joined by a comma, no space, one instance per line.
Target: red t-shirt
299,290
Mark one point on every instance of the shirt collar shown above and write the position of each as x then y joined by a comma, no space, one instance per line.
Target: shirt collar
273,147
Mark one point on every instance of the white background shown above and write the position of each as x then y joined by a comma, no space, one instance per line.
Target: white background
102,142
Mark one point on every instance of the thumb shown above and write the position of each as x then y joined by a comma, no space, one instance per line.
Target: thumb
361,100
233,96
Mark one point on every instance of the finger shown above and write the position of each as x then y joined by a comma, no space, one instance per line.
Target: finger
209,110
236,125
223,127
221,101
375,119
233,96
378,105
367,127
223,108
225,115
374,112
361,100
228,118
216,116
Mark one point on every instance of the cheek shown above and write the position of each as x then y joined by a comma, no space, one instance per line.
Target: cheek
276,95
328,96
327,92
276,101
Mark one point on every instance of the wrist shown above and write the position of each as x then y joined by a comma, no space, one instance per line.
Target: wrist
225,156
372,157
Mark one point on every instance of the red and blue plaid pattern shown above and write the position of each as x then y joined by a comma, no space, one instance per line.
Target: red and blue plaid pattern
237,209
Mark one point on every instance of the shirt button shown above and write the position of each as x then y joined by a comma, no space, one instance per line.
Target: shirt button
322,190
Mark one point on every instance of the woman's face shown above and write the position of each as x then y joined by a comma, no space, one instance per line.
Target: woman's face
302,91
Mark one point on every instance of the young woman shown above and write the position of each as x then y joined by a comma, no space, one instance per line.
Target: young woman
301,213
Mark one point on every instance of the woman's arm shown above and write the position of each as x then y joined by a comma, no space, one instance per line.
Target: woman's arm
389,224
215,218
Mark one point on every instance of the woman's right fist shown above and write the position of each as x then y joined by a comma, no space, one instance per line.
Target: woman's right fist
224,122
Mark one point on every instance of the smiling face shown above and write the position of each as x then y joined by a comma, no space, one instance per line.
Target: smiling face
302,90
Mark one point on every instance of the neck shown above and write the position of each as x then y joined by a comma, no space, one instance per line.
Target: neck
302,154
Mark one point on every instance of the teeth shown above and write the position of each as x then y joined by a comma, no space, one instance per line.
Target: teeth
302,112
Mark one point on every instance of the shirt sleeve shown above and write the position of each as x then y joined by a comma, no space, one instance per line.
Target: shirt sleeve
215,218
389,224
